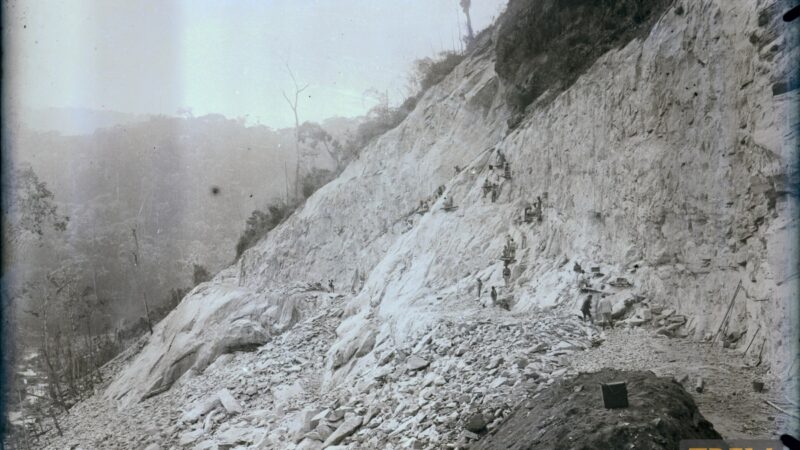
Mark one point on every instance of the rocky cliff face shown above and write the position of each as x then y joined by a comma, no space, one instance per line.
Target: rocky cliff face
668,161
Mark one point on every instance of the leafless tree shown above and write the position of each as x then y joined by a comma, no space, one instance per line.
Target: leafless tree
293,104
465,5
137,269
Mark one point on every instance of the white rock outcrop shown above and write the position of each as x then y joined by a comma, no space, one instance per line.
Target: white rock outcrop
669,162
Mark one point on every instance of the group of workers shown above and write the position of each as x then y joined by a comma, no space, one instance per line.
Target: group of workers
604,310
424,205
508,257
499,171
533,212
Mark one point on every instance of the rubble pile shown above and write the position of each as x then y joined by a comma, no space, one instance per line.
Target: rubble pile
450,387
631,308
460,380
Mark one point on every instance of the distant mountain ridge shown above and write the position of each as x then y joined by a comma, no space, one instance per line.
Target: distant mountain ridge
75,121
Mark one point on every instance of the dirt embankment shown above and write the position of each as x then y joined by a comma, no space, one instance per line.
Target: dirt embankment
571,415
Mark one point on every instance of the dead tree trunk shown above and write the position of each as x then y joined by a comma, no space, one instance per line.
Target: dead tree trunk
24,426
286,181
136,262
55,421
53,384
71,362
333,156
94,365
293,105
465,4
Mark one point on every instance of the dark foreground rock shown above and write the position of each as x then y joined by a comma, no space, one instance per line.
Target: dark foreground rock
570,415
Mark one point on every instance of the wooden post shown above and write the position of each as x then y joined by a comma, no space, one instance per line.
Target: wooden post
139,280
699,385
24,426
727,313
753,339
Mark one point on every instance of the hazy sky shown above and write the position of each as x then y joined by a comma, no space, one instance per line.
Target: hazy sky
225,56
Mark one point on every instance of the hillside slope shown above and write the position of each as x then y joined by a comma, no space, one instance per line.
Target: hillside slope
668,162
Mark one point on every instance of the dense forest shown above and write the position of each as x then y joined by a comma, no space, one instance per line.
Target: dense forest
185,185
104,233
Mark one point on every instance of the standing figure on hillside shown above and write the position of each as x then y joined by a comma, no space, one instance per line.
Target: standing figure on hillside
501,158
586,308
330,285
528,214
487,186
511,247
494,296
538,208
480,287
604,309
423,207
448,202
506,274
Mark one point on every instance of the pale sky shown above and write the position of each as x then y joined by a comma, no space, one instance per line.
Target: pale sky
224,56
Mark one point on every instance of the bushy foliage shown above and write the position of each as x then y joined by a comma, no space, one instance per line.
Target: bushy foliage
171,301
427,72
259,224
200,274
379,120
31,207
262,222
430,72
315,180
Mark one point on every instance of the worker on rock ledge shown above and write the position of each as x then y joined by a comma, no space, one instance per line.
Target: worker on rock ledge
528,215
448,203
487,187
586,308
604,310
501,159
510,249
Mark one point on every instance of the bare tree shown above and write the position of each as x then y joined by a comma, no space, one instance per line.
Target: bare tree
293,104
53,383
137,268
465,5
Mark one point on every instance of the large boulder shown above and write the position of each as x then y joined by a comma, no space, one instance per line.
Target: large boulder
214,319
243,335
347,428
